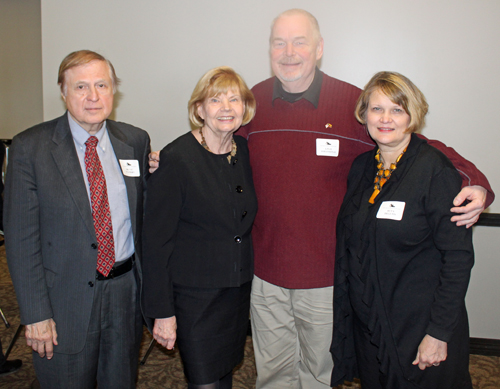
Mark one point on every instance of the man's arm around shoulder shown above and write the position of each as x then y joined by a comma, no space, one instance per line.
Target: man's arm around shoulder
475,187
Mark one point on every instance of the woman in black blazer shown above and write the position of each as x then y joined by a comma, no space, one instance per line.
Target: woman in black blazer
197,247
402,267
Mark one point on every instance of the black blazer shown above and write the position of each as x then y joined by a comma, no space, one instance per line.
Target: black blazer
199,215
49,229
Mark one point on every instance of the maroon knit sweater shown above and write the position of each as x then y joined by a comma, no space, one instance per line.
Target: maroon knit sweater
299,193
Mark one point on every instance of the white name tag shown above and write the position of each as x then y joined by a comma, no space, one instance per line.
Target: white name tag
392,210
327,147
130,167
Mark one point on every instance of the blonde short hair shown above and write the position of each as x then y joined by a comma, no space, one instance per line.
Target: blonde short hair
213,83
83,57
400,90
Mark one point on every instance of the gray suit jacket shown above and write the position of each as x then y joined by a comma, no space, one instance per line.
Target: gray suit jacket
49,230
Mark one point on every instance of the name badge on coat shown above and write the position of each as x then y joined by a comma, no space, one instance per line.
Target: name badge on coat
130,167
392,210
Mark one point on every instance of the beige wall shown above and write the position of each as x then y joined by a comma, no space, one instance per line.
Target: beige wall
484,289
21,104
160,49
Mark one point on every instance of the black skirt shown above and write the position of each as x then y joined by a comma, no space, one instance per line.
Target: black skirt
212,325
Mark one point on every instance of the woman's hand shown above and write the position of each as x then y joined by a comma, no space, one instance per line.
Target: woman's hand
164,332
431,352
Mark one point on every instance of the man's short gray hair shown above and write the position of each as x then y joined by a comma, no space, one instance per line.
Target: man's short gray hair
298,11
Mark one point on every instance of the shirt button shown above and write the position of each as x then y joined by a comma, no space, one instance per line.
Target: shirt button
237,239
94,246
239,189
91,284
244,214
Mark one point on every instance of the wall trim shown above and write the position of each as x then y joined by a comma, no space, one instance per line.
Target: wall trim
484,346
489,219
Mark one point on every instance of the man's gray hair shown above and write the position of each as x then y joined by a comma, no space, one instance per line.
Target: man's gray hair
298,11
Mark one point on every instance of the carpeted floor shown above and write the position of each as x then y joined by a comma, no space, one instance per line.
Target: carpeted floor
163,369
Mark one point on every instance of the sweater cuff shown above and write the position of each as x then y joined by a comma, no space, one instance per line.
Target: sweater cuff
438,332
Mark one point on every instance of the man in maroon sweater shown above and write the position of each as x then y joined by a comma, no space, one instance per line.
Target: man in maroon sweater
302,143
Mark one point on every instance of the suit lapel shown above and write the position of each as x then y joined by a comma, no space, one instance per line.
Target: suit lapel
125,151
66,159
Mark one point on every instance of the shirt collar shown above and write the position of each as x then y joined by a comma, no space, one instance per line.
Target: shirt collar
80,136
311,94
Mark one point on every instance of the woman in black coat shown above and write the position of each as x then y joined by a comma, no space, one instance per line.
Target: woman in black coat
402,267
197,247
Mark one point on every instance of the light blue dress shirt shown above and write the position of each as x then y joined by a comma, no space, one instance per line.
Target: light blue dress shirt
117,191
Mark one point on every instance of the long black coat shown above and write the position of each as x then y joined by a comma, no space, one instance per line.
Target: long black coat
415,271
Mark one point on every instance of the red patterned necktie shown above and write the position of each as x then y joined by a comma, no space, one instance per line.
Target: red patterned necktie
100,208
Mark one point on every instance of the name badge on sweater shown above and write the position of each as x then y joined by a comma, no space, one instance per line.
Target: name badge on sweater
392,210
327,147
130,167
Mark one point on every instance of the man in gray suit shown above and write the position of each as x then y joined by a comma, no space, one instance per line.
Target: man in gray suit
73,219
